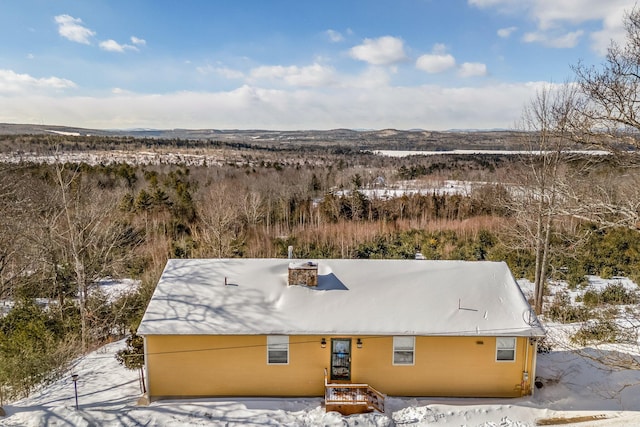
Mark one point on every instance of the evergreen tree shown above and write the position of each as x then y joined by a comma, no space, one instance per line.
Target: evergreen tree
132,357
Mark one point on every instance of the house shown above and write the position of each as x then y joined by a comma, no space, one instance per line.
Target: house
282,327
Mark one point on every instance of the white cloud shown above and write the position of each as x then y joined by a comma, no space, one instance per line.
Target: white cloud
437,61
503,6
534,37
334,36
553,17
428,107
381,51
227,73
114,46
272,71
489,3
552,13
72,29
567,40
371,78
314,75
472,69
138,41
505,33
12,82
612,29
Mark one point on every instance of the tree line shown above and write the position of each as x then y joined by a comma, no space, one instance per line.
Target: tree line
67,227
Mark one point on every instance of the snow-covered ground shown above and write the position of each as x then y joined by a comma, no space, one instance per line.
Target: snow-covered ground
406,153
115,288
593,283
577,390
421,187
111,288
217,157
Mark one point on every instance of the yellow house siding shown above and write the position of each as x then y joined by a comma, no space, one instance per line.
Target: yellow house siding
444,366
204,365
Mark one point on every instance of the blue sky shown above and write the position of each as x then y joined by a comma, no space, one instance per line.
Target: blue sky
292,64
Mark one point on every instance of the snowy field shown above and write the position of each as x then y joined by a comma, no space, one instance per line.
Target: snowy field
119,156
576,391
423,187
213,157
406,153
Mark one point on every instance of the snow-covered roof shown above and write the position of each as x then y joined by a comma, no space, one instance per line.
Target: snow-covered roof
363,297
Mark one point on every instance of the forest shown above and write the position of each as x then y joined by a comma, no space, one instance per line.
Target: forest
67,227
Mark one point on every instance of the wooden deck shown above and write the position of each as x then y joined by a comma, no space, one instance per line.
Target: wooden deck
352,398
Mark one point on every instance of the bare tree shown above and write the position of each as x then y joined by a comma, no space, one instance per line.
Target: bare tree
609,198
609,118
611,110
252,208
9,244
220,228
549,119
87,230
612,90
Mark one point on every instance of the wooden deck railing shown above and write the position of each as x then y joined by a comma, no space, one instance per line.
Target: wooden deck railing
352,394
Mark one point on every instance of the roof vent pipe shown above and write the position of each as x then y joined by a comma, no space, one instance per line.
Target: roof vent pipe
290,252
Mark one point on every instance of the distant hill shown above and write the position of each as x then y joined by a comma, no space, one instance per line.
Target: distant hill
389,139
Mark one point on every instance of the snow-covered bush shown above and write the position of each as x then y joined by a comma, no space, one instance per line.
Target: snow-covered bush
601,331
563,310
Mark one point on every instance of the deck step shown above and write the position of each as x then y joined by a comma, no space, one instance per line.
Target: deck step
352,398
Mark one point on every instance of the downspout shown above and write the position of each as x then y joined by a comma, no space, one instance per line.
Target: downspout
146,368
525,372
534,360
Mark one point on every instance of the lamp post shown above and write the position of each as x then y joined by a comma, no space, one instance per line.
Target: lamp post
74,377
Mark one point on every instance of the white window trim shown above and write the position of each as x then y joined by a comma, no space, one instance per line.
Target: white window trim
276,341
413,351
514,349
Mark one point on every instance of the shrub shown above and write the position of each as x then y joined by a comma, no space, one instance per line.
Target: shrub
576,279
613,293
591,298
607,272
544,346
598,331
30,350
616,293
563,311
132,357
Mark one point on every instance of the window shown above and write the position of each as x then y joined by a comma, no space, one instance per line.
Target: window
506,348
403,350
277,349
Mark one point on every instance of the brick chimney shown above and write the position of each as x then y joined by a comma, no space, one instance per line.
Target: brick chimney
303,273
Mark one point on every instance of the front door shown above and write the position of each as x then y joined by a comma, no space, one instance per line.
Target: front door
341,359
